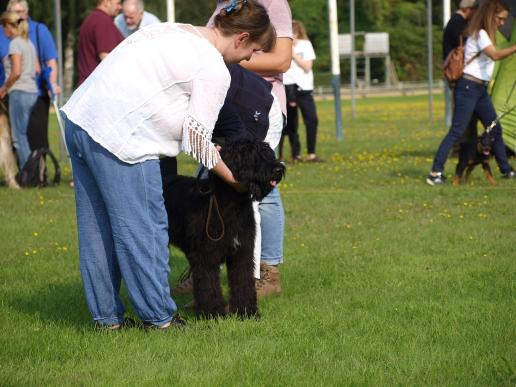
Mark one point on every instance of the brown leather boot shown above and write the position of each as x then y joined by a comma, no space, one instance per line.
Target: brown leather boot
269,282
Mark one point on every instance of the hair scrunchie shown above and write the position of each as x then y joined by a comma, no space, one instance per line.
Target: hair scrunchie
232,6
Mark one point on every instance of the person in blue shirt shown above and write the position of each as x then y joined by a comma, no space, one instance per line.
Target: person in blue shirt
46,52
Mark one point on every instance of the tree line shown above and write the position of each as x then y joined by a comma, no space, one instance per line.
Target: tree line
404,20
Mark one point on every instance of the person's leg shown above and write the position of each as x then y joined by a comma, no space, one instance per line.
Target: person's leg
98,263
292,131
20,106
133,197
447,104
466,95
272,233
487,114
37,131
308,111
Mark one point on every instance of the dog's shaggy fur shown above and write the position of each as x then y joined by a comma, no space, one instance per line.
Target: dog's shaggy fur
7,161
472,153
212,223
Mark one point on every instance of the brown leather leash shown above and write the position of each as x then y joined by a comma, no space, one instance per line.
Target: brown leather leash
213,204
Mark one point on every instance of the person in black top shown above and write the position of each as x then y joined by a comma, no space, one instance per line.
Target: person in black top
456,25
451,38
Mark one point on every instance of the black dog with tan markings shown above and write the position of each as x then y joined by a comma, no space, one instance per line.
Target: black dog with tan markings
212,224
472,153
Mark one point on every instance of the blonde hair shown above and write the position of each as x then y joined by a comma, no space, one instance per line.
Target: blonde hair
20,25
299,29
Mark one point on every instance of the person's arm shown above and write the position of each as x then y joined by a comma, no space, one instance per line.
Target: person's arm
13,76
495,54
306,65
52,63
102,55
274,62
222,171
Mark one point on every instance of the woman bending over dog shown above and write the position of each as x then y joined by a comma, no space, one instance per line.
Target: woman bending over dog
157,94
470,94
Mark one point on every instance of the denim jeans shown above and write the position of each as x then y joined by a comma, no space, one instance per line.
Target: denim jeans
123,232
471,98
272,225
20,107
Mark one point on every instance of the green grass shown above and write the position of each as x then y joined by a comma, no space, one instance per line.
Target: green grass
387,281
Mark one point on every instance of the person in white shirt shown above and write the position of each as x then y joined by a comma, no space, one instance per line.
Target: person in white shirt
299,84
157,94
134,17
470,95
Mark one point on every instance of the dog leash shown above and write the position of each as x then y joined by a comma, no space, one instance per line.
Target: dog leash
213,204
497,120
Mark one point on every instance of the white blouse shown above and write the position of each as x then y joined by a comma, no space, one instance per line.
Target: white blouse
157,93
481,67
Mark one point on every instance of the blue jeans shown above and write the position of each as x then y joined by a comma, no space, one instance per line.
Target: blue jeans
20,107
123,232
273,228
471,98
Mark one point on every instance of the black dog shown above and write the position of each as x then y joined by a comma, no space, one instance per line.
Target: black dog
472,153
212,223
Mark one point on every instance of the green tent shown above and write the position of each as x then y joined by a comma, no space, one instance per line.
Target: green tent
504,77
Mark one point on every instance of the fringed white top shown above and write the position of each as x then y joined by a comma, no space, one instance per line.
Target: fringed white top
159,92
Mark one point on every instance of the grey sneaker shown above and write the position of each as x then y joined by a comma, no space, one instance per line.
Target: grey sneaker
435,180
509,175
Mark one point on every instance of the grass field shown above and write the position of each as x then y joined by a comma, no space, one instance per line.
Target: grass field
387,281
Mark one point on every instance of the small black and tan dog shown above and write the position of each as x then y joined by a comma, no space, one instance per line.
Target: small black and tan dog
212,224
472,153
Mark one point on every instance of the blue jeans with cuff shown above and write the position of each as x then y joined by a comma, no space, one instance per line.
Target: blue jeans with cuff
123,232
272,226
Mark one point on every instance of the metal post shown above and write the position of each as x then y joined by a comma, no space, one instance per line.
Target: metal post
59,43
430,59
367,71
171,13
335,66
353,57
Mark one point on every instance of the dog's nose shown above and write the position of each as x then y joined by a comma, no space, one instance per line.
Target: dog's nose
278,172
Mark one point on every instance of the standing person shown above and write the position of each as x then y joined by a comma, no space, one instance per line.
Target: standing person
133,17
301,76
470,94
271,65
452,35
46,54
116,132
21,67
98,36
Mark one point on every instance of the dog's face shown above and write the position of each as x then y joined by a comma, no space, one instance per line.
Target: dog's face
253,163
485,143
